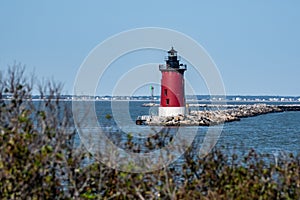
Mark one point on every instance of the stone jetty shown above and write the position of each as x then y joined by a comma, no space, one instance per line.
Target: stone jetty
215,117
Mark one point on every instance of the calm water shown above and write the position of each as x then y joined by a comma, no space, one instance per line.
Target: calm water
268,134
274,132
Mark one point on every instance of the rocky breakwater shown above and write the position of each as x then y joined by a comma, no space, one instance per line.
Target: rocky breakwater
214,117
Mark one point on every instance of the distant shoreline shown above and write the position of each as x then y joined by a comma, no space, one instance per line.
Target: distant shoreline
157,101
189,98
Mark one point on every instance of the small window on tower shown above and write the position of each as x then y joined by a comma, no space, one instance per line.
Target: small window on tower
166,92
167,101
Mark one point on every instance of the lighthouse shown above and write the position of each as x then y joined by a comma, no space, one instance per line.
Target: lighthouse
172,98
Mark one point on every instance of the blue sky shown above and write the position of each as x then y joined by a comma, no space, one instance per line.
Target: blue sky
255,44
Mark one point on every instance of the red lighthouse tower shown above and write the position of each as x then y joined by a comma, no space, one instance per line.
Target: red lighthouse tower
172,98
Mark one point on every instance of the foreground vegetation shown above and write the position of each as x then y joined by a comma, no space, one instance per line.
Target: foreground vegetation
39,160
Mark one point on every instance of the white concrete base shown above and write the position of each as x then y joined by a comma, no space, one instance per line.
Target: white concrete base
171,111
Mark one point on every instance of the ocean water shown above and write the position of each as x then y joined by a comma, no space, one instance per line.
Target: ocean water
273,133
273,136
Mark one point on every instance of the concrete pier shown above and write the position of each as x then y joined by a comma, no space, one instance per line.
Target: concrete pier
214,117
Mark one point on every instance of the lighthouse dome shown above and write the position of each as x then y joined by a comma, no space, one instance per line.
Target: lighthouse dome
172,52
